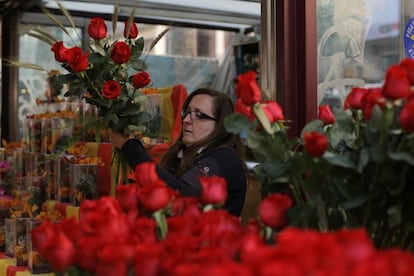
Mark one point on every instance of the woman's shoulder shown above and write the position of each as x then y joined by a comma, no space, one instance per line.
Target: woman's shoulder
223,152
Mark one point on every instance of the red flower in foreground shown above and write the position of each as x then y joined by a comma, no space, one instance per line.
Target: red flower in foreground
126,195
97,28
407,116
111,89
315,143
154,198
408,65
247,89
54,245
396,84
373,97
326,115
241,108
214,190
354,98
146,175
273,210
273,111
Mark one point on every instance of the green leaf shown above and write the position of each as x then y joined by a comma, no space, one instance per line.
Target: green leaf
138,65
262,117
355,202
402,156
364,158
272,168
254,139
138,47
339,160
344,120
236,123
315,125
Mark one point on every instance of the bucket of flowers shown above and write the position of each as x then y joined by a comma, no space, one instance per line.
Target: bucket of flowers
352,167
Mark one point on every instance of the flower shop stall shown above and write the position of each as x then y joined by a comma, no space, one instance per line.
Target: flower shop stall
336,200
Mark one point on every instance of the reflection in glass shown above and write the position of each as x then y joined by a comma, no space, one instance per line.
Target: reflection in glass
357,41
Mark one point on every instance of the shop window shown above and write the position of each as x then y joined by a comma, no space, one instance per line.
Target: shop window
357,41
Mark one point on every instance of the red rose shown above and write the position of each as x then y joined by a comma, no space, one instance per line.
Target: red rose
71,228
149,259
62,254
326,115
77,60
214,190
273,111
140,79
241,108
407,116
354,98
146,175
145,229
111,89
372,98
273,209
396,84
408,65
87,250
248,246
356,244
185,207
54,246
133,30
120,52
97,28
154,198
126,196
42,235
247,89
60,51
113,261
315,143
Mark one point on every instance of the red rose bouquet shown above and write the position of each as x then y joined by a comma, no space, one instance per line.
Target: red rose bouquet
150,230
352,167
109,74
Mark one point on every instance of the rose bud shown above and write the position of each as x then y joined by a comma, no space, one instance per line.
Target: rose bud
97,28
315,143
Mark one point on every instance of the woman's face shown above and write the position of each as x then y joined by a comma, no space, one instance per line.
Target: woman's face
196,126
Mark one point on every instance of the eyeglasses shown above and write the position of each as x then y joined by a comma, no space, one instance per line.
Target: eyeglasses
196,115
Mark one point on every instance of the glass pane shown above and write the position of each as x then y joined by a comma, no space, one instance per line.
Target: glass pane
357,41
187,56
33,85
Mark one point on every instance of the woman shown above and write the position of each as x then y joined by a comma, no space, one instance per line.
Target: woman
204,148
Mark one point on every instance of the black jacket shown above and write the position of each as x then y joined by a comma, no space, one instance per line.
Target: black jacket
223,162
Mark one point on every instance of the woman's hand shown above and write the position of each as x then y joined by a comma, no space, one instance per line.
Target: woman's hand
117,139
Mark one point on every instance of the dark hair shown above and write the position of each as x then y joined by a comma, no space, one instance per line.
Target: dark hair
223,106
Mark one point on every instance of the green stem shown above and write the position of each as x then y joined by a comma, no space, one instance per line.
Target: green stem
162,223
96,90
